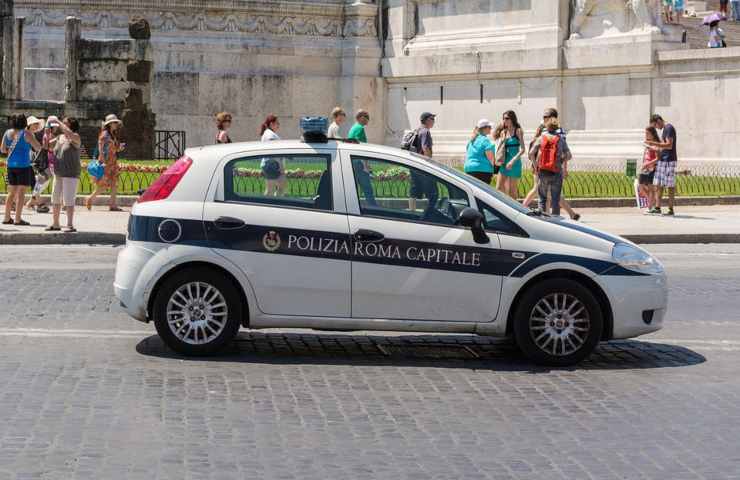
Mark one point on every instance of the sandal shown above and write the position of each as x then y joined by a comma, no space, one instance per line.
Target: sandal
52,228
70,229
8,222
115,209
22,223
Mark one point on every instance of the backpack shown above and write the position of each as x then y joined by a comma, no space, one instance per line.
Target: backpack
548,158
408,142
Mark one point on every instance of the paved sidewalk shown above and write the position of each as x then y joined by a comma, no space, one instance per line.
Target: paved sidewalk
715,224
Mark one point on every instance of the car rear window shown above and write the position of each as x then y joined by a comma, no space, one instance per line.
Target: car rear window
300,181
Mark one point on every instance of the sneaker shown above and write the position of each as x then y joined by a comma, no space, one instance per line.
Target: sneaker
669,213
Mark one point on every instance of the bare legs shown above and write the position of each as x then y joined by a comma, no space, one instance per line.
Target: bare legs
275,187
16,196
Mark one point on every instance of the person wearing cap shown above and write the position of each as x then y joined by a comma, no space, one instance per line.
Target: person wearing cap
552,144
18,143
480,152
109,146
66,172
43,164
421,185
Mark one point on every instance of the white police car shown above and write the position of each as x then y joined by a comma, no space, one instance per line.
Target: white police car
366,237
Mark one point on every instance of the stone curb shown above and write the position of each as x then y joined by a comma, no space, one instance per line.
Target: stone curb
78,238
689,238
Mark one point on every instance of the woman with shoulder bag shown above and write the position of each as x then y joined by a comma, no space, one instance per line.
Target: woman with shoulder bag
18,143
512,147
109,146
66,173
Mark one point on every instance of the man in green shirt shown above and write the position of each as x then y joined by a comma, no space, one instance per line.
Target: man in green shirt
362,167
357,132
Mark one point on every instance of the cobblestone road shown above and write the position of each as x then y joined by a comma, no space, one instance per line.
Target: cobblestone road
89,393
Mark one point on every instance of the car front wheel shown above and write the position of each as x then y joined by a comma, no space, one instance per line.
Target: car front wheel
197,311
558,322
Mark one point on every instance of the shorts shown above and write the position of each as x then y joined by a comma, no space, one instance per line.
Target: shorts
421,185
484,177
21,177
665,174
647,178
271,169
64,191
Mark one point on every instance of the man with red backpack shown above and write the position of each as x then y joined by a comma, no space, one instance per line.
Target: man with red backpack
550,156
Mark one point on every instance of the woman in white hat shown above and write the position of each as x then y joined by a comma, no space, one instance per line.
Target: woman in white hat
109,145
17,144
479,159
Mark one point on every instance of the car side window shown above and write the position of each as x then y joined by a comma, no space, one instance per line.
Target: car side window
302,181
494,221
398,192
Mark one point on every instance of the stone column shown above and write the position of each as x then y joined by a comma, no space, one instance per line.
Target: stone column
12,57
72,35
360,85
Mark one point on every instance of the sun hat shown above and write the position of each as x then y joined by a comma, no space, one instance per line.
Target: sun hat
112,118
484,122
31,120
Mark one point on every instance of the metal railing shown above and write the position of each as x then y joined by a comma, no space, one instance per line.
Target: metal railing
607,182
169,144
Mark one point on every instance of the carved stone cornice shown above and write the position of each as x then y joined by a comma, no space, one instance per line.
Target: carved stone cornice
317,19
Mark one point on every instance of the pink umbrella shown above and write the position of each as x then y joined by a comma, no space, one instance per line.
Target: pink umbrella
715,17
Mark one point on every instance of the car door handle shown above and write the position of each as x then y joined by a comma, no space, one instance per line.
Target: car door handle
363,235
229,223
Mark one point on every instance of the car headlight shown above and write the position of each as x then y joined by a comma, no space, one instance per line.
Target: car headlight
636,259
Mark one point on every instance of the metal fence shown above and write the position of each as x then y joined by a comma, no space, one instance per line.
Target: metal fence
608,181
169,144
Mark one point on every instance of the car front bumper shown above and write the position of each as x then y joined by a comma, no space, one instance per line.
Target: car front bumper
639,303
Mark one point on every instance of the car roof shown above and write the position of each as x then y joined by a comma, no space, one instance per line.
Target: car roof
219,151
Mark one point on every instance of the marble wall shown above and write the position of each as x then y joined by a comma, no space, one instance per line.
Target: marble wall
250,57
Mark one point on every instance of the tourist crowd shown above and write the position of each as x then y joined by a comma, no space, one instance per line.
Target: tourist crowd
494,154
40,152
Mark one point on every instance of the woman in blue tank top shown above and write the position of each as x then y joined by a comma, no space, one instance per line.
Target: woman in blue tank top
18,144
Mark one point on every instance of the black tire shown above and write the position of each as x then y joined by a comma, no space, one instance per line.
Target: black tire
530,332
222,333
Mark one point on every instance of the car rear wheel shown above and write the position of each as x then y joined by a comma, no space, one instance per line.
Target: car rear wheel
197,311
558,322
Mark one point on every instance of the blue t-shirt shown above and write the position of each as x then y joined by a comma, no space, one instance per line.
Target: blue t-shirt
669,154
476,159
21,157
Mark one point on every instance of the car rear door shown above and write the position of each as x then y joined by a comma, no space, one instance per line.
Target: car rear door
410,261
293,246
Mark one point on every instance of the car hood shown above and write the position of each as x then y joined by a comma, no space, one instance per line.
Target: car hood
567,232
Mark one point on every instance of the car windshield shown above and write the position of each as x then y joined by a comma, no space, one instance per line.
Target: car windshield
505,199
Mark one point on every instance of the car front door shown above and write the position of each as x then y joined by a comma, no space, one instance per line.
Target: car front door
287,232
410,260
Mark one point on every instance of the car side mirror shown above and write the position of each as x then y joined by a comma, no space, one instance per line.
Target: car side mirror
473,219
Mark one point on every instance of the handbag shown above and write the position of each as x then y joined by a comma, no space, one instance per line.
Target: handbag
96,169
500,153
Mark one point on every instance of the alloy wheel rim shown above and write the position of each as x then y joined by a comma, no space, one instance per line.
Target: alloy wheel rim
197,313
559,324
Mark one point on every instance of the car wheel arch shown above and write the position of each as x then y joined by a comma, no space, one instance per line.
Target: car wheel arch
201,264
584,280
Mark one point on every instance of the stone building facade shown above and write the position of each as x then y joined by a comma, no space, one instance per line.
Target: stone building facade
606,64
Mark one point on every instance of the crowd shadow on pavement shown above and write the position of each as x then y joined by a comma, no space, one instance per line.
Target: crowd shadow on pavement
443,351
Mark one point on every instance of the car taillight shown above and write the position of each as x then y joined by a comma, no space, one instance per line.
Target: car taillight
166,183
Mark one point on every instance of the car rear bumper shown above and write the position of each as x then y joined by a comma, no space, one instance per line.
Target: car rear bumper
129,287
639,303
